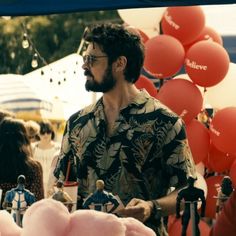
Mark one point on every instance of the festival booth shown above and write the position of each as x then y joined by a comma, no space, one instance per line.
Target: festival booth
194,69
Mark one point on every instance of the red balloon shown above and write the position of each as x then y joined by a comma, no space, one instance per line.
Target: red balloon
139,32
164,56
199,140
183,97
146,83
213,183
223,130
220,161
183,23
207,63
144,37
232,173
208,34
207,164
176,228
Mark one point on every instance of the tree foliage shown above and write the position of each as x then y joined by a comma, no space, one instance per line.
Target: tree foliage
53,36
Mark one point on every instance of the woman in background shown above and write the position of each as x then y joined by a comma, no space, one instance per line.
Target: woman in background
225,190
46,151
5,113
16,159
32,129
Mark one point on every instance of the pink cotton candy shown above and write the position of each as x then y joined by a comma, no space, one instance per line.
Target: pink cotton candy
46,217
95,223
136,228
8,227
51,218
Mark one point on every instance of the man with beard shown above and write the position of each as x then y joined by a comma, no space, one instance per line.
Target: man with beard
128,139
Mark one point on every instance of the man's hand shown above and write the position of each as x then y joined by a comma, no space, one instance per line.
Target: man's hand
137,208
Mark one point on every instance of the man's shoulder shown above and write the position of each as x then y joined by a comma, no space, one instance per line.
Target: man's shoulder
160,111
152,104
83,112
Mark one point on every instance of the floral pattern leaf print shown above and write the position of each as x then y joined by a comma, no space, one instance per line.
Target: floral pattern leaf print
140,159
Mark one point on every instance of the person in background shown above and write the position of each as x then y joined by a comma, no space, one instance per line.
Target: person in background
32,129
16,159
226,221
128,139
224,192
5,113
46,152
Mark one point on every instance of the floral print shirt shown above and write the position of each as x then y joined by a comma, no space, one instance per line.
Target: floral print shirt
146,155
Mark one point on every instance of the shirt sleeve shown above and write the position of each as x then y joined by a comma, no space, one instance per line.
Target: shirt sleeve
178,159
63,158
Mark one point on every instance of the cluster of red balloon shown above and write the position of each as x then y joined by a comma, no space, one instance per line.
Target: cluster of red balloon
186,42
206,63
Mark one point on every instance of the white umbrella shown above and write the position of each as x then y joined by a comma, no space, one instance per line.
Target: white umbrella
16,95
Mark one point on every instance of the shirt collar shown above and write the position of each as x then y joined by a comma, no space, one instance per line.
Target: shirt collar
139,100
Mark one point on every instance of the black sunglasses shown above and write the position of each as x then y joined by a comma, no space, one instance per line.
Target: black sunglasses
90,59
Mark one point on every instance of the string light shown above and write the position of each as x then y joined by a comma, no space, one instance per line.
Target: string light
28,43
34,62
25,42
37,58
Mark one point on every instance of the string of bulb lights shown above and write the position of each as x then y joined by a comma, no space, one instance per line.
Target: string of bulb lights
28,43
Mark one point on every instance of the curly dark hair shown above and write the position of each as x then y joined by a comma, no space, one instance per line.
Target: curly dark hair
115,41
15,150
226,186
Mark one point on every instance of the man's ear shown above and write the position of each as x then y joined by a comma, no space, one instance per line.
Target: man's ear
120,63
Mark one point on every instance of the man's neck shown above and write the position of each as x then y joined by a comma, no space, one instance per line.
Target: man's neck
120,97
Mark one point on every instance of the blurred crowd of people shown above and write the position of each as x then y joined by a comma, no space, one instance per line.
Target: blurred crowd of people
27,148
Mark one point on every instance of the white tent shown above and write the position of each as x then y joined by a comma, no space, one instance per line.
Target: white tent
66,89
